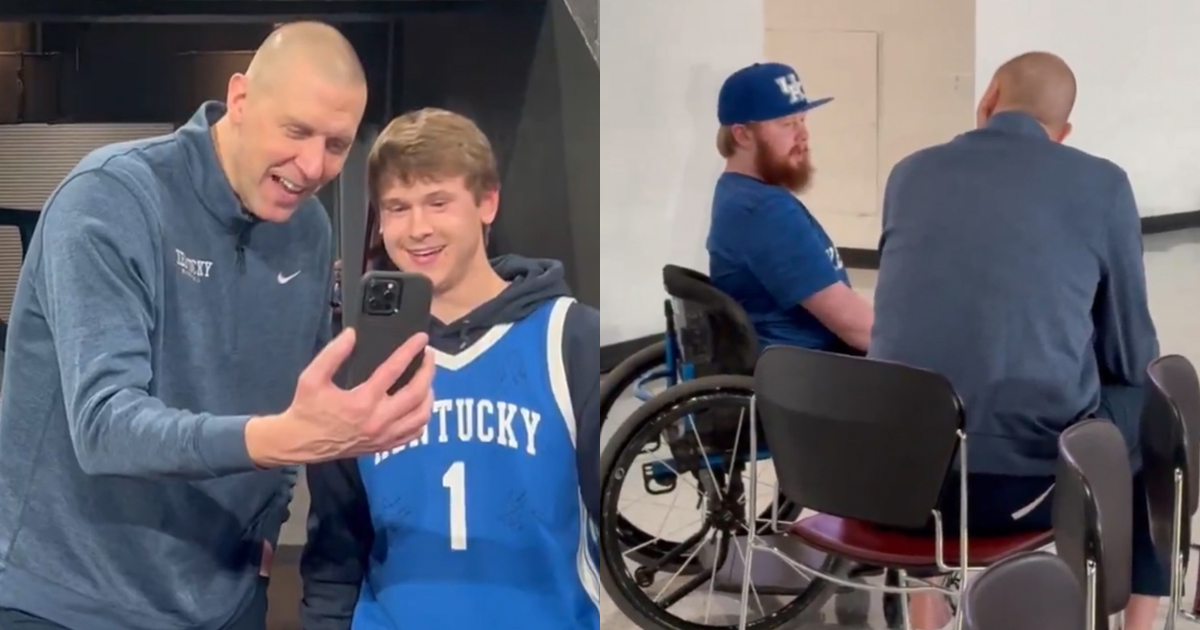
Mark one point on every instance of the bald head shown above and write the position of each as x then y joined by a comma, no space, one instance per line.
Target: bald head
291,118
311,47
1039,84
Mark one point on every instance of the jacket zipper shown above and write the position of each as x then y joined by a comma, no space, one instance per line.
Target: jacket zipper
240,253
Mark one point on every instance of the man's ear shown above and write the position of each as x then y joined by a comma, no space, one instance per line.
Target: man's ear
235,97
489,205
742,135
987,104
1066,131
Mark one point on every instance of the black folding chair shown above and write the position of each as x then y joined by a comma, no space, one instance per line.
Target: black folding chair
1029,591
1170,449
1093,522
869,446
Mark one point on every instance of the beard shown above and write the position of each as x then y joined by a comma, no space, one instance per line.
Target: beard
783,171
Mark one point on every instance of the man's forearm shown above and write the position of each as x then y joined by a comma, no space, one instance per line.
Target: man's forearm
133,434
844,312
853,325
859,339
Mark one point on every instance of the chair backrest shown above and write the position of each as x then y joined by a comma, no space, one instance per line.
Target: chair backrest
1174,378
857,438
1030,591
712,331
1170,439
1093,503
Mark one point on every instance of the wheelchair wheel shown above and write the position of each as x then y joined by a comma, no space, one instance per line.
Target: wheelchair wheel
716,476
630,374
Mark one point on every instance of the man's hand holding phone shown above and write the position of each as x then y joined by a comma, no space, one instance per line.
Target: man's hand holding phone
327,422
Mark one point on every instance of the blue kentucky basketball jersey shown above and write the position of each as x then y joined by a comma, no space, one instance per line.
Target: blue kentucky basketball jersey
479,523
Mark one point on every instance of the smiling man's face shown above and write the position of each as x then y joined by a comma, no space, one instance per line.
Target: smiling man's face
435,227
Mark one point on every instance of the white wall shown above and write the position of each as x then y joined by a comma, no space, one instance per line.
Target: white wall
662,65
1138,67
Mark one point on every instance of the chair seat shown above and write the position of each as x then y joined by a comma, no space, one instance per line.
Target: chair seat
875,546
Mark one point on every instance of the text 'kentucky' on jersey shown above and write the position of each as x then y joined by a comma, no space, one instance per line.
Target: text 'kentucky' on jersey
504,424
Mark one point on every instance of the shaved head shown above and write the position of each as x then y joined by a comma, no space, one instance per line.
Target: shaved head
291,118
1040,84
311,47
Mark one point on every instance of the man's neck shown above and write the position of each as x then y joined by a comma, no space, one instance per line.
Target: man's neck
222,138
480,285
741,167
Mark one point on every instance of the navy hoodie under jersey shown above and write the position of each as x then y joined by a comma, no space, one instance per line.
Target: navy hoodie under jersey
342,540
152,318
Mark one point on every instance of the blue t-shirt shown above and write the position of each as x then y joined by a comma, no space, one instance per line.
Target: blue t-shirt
769,254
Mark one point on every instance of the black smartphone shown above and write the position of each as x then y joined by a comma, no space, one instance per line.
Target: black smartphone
394,307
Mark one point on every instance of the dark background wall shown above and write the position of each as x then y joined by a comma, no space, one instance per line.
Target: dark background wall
523,70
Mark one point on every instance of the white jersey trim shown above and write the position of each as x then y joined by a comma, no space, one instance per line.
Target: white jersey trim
455,362
589,577
556,362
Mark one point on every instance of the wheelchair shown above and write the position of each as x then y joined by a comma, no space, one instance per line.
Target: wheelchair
690,440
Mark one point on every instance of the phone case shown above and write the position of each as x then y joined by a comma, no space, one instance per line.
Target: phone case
379,334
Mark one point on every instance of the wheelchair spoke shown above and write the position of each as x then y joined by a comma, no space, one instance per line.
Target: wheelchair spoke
652,541
675,599
745,555
737,438
712,584
707,462
647,502
694,542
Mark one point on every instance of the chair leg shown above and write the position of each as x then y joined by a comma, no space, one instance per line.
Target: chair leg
905,614
1176,580
1176,599
1090,613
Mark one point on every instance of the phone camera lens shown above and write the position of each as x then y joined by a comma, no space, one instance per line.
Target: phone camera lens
383,297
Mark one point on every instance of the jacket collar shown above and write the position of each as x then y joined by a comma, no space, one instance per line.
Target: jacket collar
212,185
1018,123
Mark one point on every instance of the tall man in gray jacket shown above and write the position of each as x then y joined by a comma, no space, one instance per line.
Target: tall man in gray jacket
1012,264
157,399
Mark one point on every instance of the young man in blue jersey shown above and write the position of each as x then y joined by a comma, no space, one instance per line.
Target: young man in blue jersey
766,250
157,397
482,521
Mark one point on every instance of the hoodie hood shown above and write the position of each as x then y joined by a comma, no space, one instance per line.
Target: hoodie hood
532,282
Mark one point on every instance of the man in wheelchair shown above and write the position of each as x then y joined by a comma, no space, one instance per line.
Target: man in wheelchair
766,250
1012,265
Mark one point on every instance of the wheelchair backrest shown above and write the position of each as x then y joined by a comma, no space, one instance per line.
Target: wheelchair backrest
711,331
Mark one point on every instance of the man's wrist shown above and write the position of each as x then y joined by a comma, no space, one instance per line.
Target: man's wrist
265,441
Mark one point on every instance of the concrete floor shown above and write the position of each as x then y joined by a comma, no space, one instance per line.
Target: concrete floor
1172,261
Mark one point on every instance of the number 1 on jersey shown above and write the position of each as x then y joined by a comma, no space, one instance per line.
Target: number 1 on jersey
455,480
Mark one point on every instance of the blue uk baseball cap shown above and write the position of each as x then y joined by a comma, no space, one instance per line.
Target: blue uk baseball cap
763,91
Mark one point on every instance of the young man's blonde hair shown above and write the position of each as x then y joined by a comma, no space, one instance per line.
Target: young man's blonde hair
432,144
